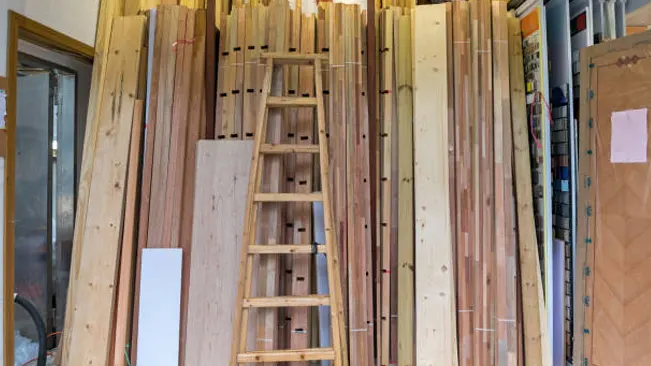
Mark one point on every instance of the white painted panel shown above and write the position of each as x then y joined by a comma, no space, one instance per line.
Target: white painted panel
160,307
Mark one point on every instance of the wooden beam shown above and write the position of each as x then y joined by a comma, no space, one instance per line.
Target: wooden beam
436,326
106,12
124,301
94,292
212,17
505,300
465,229
535,322
405,274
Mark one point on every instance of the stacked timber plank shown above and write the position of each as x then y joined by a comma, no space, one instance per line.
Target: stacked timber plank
471,156
104,223
396,224
175,123
138,179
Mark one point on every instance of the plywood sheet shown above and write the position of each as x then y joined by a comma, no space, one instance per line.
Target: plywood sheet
614,211
222,174
160,307
435,303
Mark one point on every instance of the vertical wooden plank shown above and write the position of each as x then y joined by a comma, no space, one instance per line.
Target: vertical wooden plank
483,179
337,137
533,312
435,304
93,301
169,23
213,17
357,186
228,127
220,189
195,118
222,70
124,301
106,12
405,196
505,313
250,89
239,90
386,139
465,234
178,129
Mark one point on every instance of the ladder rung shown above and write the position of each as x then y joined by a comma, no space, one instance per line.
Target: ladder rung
311,354
286,249
287,301
280,102
294,58
288,197
288,149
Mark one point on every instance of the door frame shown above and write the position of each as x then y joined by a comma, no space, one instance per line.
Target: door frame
22,28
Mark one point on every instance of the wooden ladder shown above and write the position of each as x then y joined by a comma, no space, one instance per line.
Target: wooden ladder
337,353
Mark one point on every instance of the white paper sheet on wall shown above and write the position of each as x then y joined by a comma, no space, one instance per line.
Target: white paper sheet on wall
628,140
3,108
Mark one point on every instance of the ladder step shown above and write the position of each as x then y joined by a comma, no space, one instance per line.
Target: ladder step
288,197
288,149
280,102
286,58
287,301
285,249
311,354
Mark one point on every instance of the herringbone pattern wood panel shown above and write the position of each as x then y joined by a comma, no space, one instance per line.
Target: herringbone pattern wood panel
621,283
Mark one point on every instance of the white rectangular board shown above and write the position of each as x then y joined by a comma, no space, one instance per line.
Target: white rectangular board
435,302
160,307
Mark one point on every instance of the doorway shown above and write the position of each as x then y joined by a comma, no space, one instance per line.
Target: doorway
49,85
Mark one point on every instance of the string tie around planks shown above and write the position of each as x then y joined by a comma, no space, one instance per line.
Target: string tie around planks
182,42
549,112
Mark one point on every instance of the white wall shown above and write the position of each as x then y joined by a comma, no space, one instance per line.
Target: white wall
75,18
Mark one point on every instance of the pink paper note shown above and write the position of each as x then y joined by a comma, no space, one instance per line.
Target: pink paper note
628,139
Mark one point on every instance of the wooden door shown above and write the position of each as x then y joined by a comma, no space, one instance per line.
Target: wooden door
613,311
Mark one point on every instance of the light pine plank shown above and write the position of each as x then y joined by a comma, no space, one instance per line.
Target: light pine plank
220,195
505,313
124,302
435,302
106,12
533,308
93,299
405,195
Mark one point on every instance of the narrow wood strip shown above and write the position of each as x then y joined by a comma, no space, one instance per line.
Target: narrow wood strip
228,127
405,196
533,312
463,102
240,50
505,324
195,129
222,90
250,89
213,22
436,326
299,355
125,293
169,21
